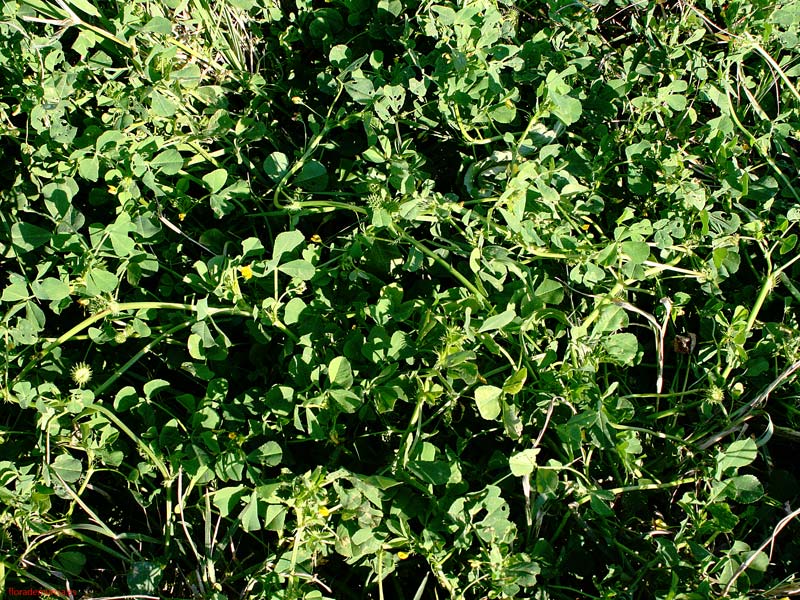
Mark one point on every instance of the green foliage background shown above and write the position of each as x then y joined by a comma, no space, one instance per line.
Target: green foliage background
399,300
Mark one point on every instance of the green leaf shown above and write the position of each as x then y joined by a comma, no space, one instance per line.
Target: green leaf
622,348
292,311
398,344
550,292
146,224
17,290
340,56
230,465
100,281
168,162
498,321
612,318
567,109
269,454
189,76
215,180
85,41
298,269
676,102
312,177
638,252
515,382
227,498
487,397
726,260
547,481
724,519
788,244
112,138
26,237
738,454
252,246
84,6
599,502
125,399
444,15
503,113
435,472
50,288
759,563
276,165
348,401
89,168
511,420
70,561
381,218
373,154
118,233
249,515
195,347
425,466
523,463
144,577
160,25
339,372
67,467
286,241
153,387
747,488
161,105
361,90
274,517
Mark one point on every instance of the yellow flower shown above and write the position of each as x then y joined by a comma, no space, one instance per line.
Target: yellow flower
246,271
323,511
316,239
112,189
403,555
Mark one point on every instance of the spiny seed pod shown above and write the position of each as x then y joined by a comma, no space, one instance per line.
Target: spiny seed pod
81,374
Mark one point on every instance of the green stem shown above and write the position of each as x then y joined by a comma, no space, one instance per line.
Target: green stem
312,147
773,63
119,372
99,408
754,143
119,307
467,136
766,288
106,530
770,281
25,574
447,266
643,487
330,204
618,288
658,434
